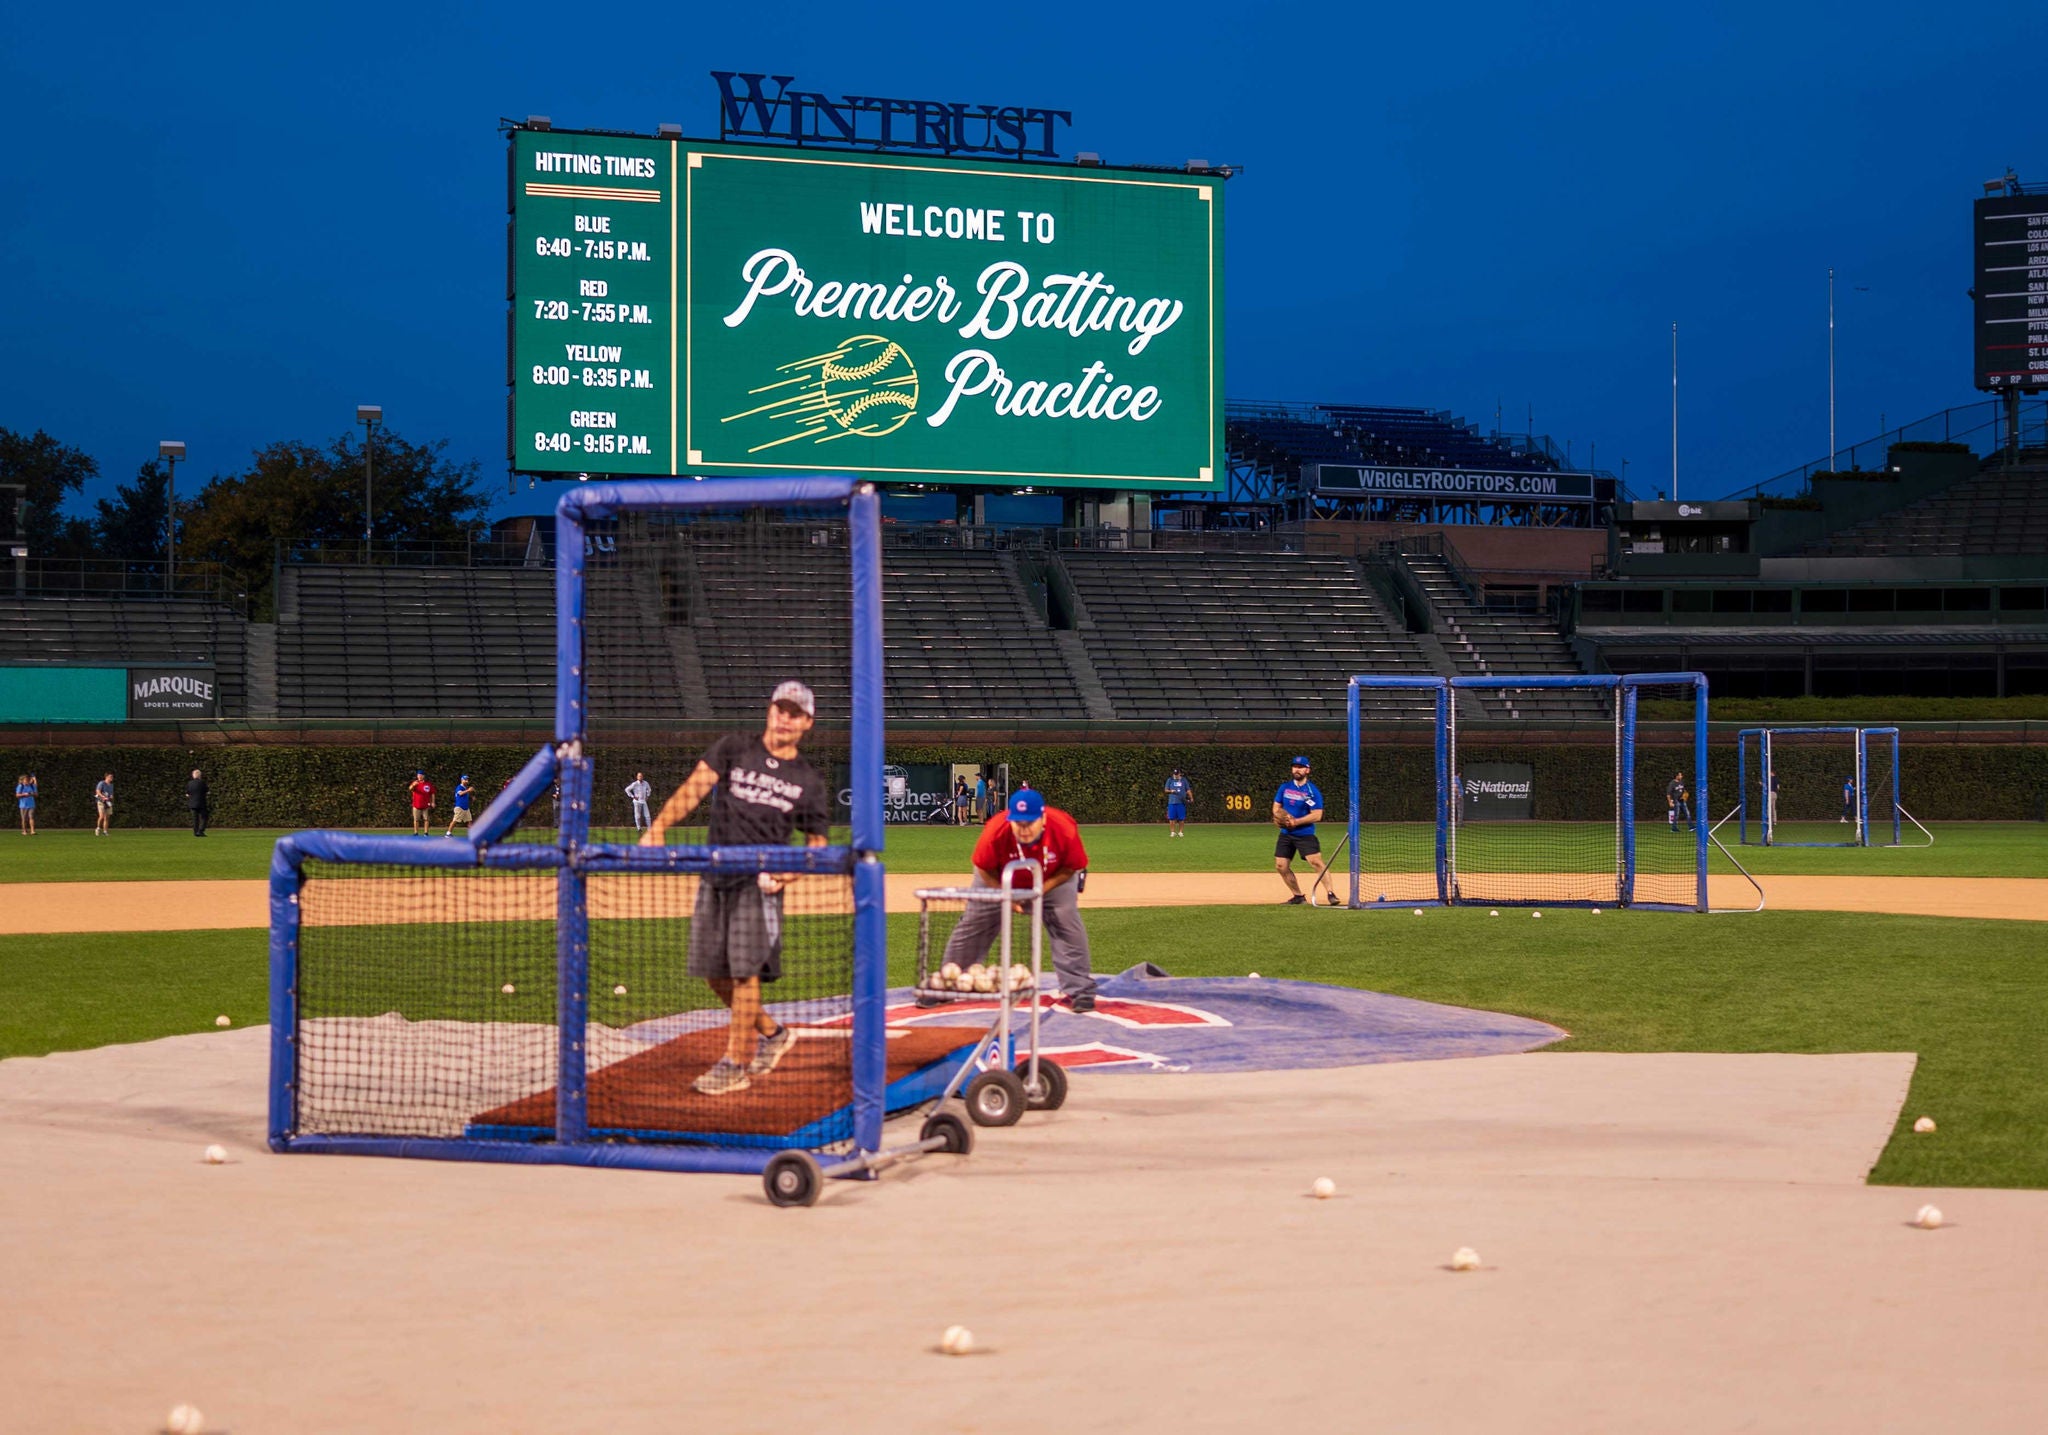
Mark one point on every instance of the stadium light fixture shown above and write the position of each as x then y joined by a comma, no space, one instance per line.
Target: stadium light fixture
172,452
369,416
1993,186
539,122
668,132
1088,156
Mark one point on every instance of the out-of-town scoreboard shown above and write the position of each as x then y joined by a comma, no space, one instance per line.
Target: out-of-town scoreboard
2012,292
687,307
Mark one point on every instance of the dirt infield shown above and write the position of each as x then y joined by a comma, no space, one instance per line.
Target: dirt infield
1669,1242
193,906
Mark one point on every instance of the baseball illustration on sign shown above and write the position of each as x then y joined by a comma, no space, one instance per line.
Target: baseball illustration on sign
866,386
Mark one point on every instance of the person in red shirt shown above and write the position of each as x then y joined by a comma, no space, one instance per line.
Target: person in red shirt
422,805
1028,828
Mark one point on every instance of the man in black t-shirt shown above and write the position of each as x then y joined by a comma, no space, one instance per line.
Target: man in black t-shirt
764,793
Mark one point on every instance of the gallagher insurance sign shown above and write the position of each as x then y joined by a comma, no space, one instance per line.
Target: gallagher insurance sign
683,307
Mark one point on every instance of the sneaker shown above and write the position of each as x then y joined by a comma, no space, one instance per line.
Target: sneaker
771,1049
1295,901
1082,1004
727,1076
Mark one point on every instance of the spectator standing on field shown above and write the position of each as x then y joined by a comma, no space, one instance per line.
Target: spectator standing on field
1849,798
196,800
103,804
981,797
1297,805
1178,794
422,792
959,801
25,800
640,789
1675,805
459,815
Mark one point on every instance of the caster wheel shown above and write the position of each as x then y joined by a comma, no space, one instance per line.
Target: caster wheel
792,1178
995,1098
1050,1093
947,1126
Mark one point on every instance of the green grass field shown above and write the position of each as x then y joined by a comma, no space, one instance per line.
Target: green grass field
1971,998
1980,849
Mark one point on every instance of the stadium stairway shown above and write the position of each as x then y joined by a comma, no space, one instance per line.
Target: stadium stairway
1483,643
1235,635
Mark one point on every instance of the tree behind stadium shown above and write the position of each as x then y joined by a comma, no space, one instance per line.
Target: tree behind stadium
297,493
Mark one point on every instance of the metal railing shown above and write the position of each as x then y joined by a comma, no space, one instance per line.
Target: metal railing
470,553
1980,427
124,578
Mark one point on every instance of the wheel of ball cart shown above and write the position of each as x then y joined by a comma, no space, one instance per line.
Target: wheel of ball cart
995,1098
792,1178
946,1126
1050,1093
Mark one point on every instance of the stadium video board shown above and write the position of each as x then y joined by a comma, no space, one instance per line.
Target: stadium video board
684,307
2012,292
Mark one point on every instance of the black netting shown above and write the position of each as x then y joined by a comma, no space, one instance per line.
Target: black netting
654,1028
1535,810
1397,805
426,997
1667,798
1800,789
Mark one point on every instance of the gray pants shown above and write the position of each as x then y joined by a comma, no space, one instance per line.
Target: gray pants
1064,934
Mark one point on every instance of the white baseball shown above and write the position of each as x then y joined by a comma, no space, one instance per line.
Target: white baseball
1494,913
950,970
964,982
618,991
958,1340
1323,1189
1418,911
1255,976
506,989
985,979
215,1155
1927,1218
222,1021
1596,911
1924,1125
1464,1259
767,882
1537,915
184,1420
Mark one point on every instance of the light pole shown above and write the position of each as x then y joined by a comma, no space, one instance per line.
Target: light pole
369,416
1674,413
1831,369
170,450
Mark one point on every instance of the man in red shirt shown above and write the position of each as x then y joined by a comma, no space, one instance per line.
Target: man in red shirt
422,805
1028,828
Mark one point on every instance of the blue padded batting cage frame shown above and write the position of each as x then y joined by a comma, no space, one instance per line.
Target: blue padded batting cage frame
1766,824
1623,690
573,858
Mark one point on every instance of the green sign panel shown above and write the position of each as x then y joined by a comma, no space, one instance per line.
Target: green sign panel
689,308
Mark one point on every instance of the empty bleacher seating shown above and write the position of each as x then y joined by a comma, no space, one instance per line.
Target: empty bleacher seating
2003,510
1235,635
120,632
1493,644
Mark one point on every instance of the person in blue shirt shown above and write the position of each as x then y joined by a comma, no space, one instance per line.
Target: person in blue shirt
1849,799
103,804
1178,794
1296,807
981,812
464,795
25,799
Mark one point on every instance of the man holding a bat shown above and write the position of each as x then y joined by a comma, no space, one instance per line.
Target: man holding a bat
1296,807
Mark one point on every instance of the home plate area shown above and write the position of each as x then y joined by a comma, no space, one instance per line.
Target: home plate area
1147,1020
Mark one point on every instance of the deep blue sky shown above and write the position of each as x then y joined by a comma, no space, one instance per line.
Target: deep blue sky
232,224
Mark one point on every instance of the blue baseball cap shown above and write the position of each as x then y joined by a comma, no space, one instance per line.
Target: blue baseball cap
1299,762
1027,806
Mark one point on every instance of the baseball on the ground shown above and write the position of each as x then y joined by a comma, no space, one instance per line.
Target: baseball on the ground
1418,911
618,991
222,1021
1536,914
216,1154
958,1340
1494,913
1255,976
950,970
184,1420
1924,1125
1927,1218
1324,1188
1464,1259
506,989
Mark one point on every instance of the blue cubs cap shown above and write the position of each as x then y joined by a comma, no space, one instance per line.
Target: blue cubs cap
1027,806
1299,762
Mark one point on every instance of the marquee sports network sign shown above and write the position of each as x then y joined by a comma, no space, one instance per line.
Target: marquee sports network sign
681,307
